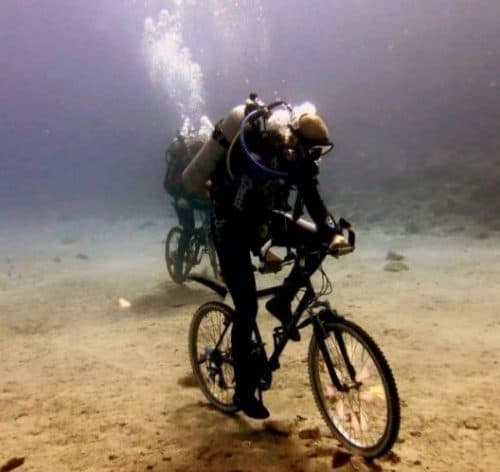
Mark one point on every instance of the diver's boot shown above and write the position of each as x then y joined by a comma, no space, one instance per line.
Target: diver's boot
280,307
251,406
246,379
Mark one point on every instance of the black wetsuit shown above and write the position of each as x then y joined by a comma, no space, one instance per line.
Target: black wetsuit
244,216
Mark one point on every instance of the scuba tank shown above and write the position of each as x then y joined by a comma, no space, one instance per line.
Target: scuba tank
227,133
198,172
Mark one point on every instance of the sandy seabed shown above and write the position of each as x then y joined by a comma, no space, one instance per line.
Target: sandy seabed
87,385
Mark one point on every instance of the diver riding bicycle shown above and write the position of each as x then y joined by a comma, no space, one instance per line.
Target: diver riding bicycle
350,379
200,242
179,153
257,156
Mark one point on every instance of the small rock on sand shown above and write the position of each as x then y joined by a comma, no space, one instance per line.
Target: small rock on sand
12,464
187,381
396,266
281,428
412,228
482,235
321,451
340,458
310,433
394,256
471,423
82,256
392,458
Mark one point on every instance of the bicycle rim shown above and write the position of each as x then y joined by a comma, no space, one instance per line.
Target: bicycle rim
366,417
210,354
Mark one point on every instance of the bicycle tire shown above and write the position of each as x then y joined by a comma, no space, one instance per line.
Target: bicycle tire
171,246
219,374
385,440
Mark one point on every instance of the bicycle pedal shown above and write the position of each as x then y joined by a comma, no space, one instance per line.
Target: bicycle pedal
278,334
278,331
264,385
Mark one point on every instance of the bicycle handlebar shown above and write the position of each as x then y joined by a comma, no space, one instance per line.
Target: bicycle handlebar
325,249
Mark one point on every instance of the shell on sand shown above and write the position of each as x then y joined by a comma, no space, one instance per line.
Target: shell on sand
124,303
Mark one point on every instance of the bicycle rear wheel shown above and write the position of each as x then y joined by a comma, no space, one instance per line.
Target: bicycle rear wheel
364,417
210,354
171,254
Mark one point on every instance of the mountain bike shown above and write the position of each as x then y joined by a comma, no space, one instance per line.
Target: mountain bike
200,243
351,381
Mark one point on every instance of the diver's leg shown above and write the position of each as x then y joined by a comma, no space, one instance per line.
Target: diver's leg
286,232
236,268
186,220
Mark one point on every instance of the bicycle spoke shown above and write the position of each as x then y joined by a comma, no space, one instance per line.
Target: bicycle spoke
360,412
212,347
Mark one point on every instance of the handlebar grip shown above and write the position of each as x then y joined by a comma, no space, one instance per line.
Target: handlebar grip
351,240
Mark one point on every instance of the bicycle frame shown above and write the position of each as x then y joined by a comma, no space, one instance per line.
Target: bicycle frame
349,374
201,239
281,335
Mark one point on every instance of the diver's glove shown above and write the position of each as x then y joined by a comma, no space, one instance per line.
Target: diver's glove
270,262
338,241
338,244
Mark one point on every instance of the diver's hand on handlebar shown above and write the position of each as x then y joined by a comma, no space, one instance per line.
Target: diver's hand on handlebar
339,245
270,262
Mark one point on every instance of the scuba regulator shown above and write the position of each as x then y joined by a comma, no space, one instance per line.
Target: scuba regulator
257,114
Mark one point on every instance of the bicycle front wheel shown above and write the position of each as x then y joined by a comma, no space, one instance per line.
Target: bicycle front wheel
210,354
364,415
171,255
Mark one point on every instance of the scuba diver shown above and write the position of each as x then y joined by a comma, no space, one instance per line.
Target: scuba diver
178,155
253,161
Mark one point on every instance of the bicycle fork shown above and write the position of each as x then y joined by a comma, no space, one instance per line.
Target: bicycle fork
321,334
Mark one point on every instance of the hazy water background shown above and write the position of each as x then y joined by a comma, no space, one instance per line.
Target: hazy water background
91,92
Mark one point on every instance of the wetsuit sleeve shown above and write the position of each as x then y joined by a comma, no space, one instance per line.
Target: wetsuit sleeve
323,219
